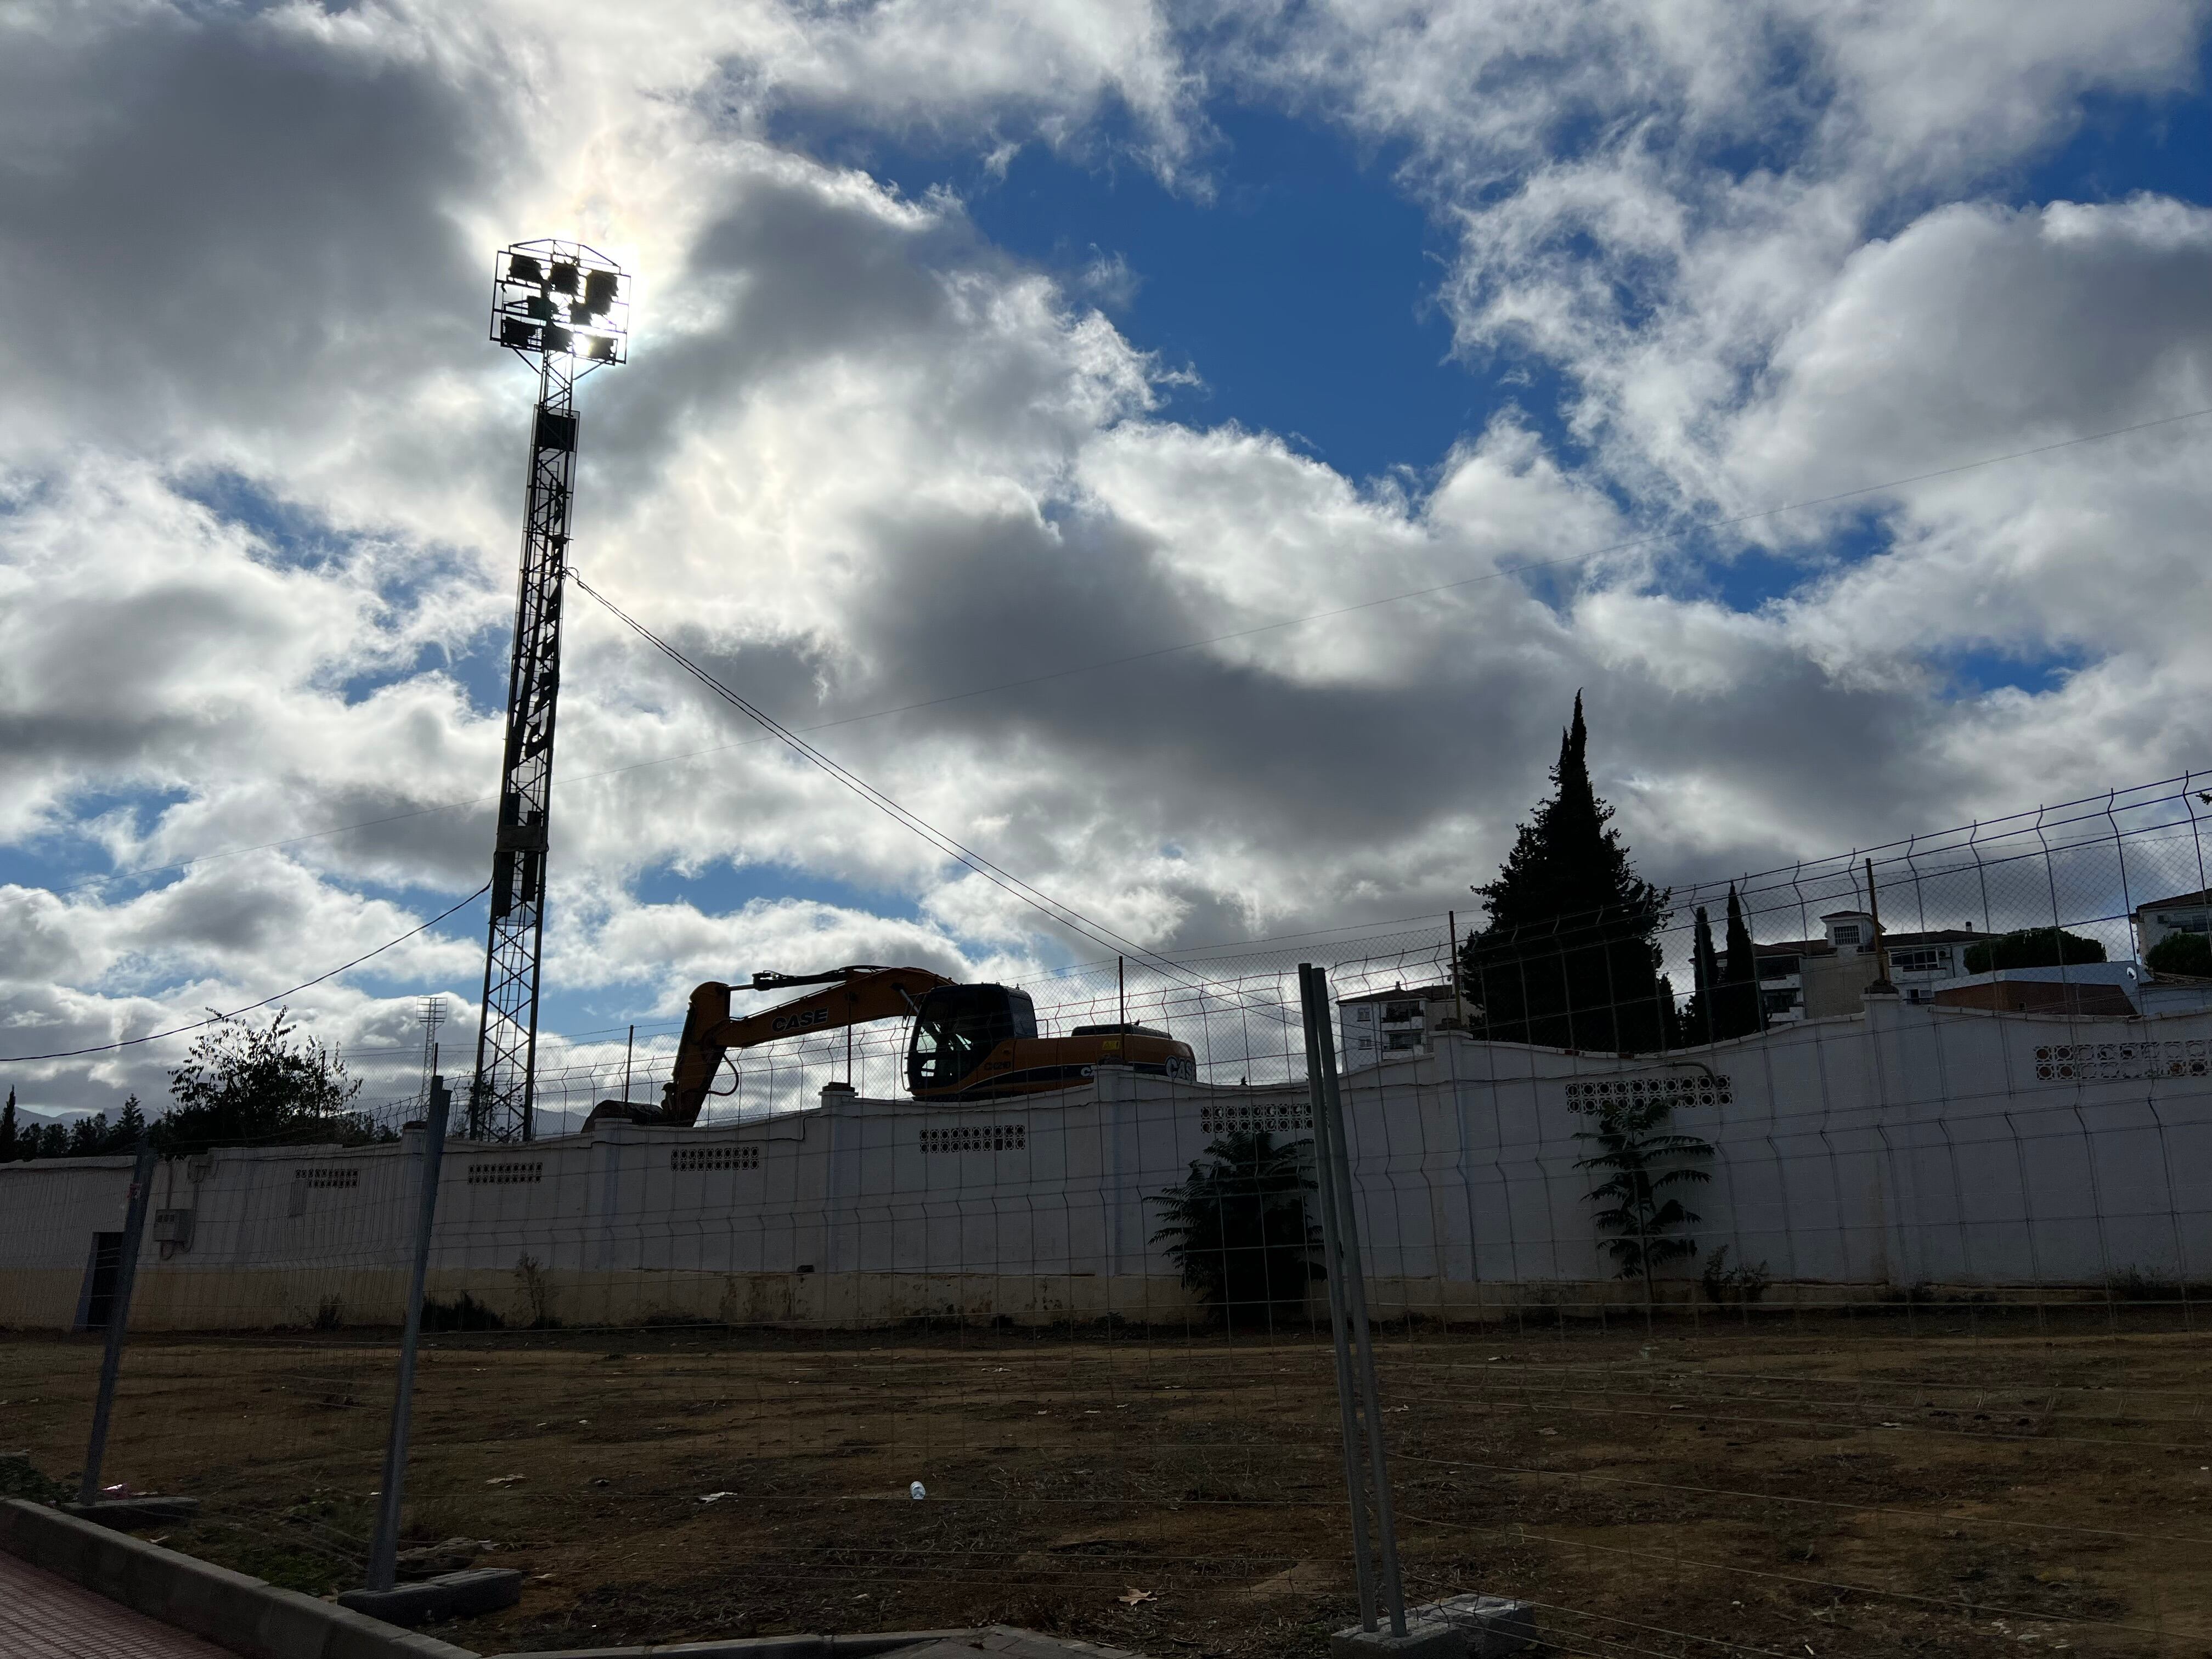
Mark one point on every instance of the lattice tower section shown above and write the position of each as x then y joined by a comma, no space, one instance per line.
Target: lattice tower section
562,308
507,1046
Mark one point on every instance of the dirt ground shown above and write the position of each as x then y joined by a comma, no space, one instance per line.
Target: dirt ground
1911,1481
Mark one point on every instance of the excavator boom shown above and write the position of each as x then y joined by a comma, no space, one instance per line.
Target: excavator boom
968,1042
855,996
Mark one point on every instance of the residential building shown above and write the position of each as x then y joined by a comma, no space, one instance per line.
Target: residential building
1395,1023
1813,978
2182,913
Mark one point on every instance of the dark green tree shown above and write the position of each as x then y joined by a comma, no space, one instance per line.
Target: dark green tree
239,1085
1696,1022
1569,958
1238,1228
2033,947
2177,953
8,1152
1643,1160
52,1140
89,1135
129,1125
1737,1011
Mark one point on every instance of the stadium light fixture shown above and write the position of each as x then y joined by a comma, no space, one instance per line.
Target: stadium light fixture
556,298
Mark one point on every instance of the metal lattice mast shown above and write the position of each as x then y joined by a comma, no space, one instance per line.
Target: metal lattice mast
562,307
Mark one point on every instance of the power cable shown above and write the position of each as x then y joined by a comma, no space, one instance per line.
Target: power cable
218,1019
1043,902
592,1037
1564,560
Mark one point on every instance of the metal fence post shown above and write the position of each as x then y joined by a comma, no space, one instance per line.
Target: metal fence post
1355,1305
119,1315
384,1550
1314,1006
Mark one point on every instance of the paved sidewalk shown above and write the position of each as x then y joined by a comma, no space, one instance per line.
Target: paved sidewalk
43,1617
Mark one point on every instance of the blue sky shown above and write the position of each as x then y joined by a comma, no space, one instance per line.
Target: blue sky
1296,285
1298,289
1719,248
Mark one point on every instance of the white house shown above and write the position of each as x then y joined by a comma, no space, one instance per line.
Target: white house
1400,1021
2181,912
1838,965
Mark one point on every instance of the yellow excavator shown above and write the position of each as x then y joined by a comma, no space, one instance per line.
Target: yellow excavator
968,1042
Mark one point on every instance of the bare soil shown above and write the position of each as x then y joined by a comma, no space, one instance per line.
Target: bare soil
1913,1481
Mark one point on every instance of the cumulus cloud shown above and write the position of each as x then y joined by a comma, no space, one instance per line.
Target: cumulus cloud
259,470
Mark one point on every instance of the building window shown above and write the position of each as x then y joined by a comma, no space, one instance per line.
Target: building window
2185,921
1847,933
1777,967
1923,961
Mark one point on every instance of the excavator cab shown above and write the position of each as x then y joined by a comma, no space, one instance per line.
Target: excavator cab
956,1027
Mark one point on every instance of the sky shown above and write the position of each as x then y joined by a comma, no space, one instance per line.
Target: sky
977,344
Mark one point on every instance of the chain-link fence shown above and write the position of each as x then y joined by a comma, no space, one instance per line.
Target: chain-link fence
1836,1287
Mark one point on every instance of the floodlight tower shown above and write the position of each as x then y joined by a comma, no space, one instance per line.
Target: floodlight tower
564,309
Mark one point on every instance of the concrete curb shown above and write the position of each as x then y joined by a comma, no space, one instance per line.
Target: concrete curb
449,1595
765,1647
249,1616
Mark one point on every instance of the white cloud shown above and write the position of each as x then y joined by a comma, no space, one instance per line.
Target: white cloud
862,458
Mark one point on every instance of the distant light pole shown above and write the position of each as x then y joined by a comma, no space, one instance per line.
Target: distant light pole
564,308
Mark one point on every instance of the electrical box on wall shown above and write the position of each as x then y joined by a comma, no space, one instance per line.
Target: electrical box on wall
173,1229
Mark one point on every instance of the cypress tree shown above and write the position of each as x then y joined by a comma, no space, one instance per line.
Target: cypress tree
1705,979
1569,957
8,1153
1739,1011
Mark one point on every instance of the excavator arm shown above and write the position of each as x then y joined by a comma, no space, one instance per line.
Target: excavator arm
853,996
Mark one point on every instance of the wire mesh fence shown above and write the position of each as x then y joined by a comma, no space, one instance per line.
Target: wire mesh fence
1862,1311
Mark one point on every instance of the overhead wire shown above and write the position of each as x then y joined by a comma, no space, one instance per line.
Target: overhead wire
1029,896
218,1019
1043,903
592,1036
1652,538
2183,780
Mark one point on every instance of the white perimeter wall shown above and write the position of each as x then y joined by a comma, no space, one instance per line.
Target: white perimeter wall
1950,1146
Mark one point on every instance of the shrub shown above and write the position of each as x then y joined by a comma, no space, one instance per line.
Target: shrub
537,1294
462,1313
1641,1158
1238,1228
2033,947
2133,1284
21,1478
2181,953
1740,1284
